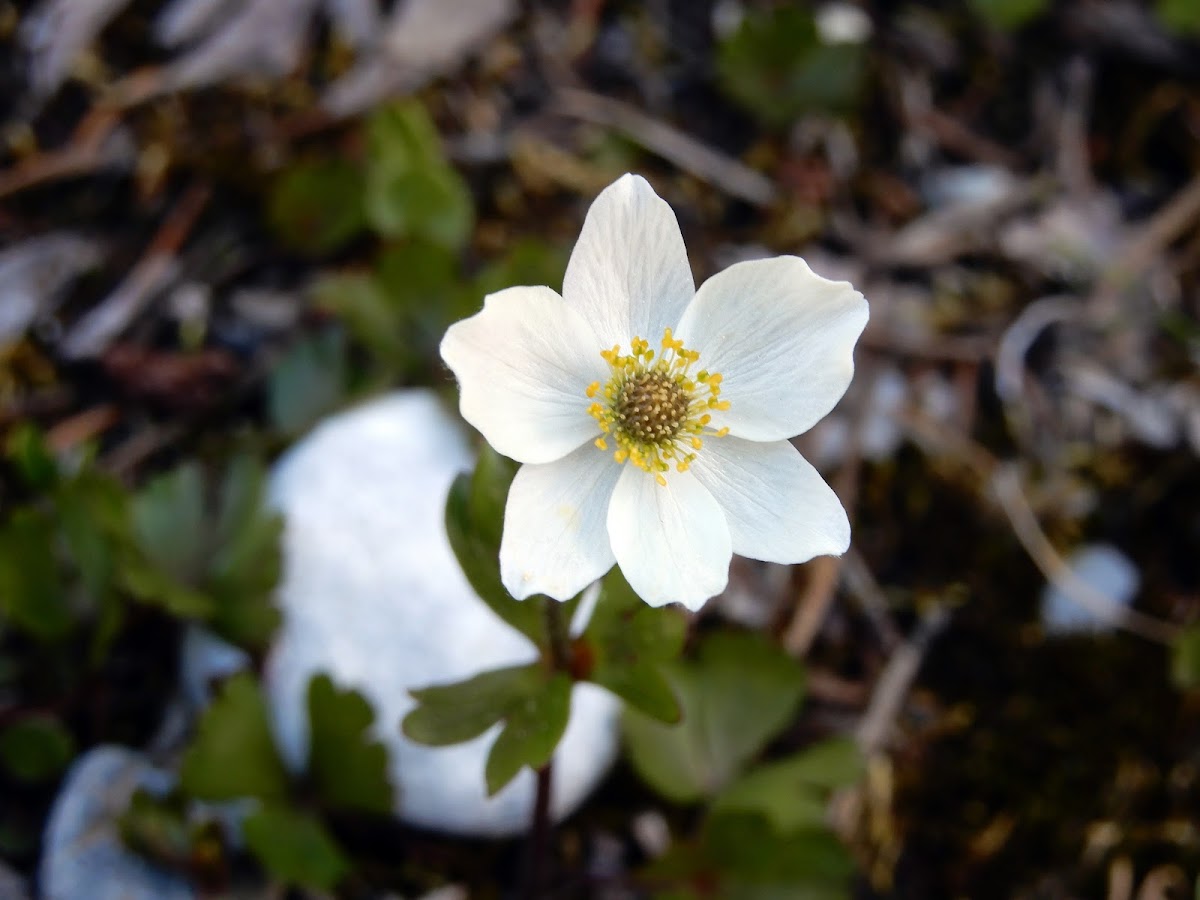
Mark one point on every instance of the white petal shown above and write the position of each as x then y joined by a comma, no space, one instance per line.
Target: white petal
555,525
777,505
628,275
524,363
782,337
671,542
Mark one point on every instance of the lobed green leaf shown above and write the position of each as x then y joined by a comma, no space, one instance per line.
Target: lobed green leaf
233,754
346,765
739,693
295,848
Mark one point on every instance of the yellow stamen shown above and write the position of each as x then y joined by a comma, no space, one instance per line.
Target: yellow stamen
654,406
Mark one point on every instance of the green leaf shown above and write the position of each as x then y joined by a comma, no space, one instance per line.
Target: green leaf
739,694
411,191
776,66
742,857
474,522
747,850
247,562
402,137
1008,15
1182,17
157,827
793,793
307,383
36,749
93,513
347,766
233,754
629,641
218,565
432,203
169,523
532,730
151,585
32,595
1185,659
454,713
171,536
533,702
316,206
370,314
421,281
528,261
295,848
31,457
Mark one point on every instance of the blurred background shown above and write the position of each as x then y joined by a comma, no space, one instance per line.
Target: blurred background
221,222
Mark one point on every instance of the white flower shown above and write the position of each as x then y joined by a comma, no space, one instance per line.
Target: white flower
653,419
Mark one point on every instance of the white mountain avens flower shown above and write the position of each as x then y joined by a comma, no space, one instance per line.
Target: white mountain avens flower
652,419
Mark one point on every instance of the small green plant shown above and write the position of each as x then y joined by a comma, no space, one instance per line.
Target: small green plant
776,66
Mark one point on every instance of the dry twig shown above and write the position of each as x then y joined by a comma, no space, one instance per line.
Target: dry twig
733,177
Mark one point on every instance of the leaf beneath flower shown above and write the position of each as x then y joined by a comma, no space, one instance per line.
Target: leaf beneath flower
738,695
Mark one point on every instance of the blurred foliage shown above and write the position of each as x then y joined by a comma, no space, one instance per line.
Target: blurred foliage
1182,16
36,748
793,793
347,766
776,66
1185,659
295,848
317,206
764,833
309,382
411,190
398,310
743,857
215,561
739,693
233,754
233,757
61,554
404,189
1008,15
628,645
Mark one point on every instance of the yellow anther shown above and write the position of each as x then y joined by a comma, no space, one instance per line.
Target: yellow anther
653,407
721,432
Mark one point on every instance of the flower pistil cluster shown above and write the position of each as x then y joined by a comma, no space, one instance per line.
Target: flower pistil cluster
654,408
